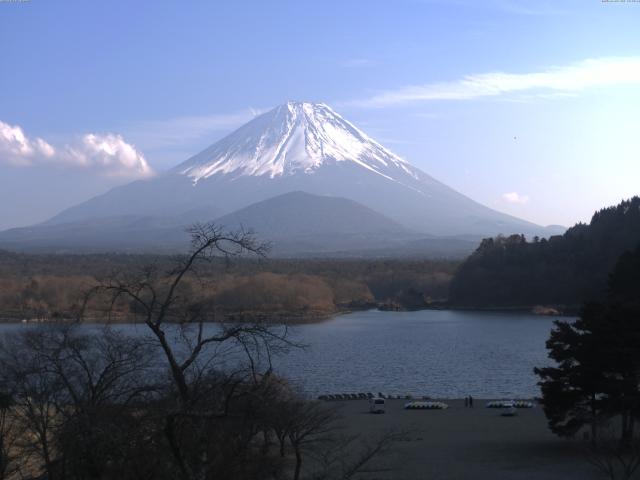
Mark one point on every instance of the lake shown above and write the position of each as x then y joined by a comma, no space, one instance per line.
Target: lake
446,354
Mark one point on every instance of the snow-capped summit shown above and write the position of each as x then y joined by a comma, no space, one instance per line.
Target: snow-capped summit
300,147
293,138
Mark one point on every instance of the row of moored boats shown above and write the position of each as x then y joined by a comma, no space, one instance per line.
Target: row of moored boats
365,396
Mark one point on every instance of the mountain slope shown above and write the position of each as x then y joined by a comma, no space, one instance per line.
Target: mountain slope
303,147
299,222
300,213
303,177
291,139
125,233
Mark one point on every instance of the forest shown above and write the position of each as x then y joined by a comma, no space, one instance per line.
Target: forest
504,272
53,286
562,271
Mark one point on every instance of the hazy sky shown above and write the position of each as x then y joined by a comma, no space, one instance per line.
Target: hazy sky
532,108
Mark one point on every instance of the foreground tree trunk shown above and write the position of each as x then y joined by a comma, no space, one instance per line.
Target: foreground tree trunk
594,423
296,474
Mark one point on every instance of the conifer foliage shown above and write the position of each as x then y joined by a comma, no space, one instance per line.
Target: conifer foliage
597,376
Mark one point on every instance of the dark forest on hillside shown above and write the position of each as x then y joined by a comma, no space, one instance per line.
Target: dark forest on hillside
563,270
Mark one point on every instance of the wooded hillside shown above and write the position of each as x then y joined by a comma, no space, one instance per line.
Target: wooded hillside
563,270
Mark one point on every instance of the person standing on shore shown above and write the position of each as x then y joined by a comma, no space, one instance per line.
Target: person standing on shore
470,401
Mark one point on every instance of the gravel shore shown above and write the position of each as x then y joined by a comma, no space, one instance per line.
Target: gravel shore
462,443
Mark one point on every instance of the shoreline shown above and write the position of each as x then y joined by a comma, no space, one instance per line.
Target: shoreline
301,318
479,402
541,310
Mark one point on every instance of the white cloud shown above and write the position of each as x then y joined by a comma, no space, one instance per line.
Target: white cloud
515,197
17,149
568,79
108,154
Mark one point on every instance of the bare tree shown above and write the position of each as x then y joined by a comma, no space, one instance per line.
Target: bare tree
313,432
615,458
182,323
34,391
193,398
157,300
10,432
70,389
310,424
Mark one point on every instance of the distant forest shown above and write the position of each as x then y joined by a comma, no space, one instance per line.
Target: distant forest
51,286
504,272
562,271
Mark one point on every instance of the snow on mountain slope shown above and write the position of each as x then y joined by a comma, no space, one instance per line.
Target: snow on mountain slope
294,138
309,148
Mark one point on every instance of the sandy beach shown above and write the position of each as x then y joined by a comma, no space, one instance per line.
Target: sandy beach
468,443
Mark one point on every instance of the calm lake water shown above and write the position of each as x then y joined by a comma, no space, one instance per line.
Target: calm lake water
437,353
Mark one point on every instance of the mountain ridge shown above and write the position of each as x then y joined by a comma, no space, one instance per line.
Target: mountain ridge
300,147
296,224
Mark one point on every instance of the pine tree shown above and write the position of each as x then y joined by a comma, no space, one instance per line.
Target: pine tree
598,359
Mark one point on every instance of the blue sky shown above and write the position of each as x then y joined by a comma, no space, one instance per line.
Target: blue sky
531,108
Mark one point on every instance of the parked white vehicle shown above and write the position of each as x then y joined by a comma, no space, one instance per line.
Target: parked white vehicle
376,405
509,412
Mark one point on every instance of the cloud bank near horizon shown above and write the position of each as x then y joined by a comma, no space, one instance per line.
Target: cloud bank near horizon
108,154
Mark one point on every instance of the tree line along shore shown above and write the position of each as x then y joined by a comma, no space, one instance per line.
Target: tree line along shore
52,286
546,276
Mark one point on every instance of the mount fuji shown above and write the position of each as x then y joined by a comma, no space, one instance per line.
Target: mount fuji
296,147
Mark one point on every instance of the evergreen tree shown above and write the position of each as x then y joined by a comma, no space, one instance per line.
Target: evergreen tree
598,359
572,392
